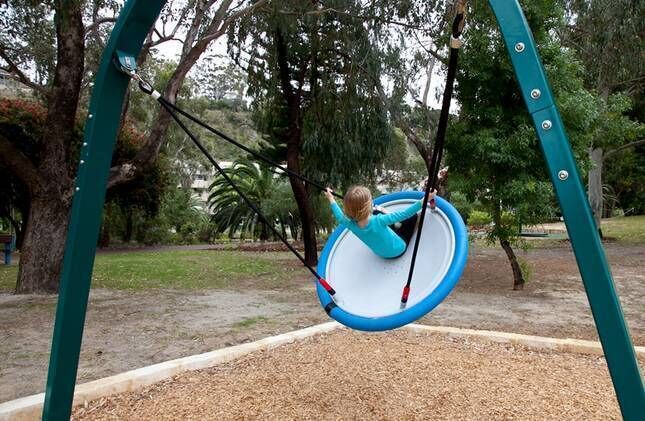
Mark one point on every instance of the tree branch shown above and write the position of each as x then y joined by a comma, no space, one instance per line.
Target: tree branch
149,151
231,18
358,17
18,163
191,34
430,51
162,40
623,147
429,71
22,78
95,25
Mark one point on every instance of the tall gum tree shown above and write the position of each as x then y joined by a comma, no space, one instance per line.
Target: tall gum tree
48,179
608,37
320,112
58,75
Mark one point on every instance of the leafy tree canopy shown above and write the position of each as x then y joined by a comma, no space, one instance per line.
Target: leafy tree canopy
22,123
334,61
493,149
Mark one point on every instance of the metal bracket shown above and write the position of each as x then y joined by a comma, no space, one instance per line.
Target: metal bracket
125,62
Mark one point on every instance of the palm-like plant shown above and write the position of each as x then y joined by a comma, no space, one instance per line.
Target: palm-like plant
230,212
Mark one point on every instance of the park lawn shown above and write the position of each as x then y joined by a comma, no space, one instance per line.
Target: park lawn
205,269
190,269
629,229
624,229
8,275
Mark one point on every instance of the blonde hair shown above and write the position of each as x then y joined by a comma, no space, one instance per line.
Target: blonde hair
358,203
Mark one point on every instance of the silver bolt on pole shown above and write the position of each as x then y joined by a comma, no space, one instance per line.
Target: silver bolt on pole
535,93
546,124
563,175
519,47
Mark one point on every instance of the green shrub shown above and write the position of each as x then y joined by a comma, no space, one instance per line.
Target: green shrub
479,218
153,231
461,203
509,219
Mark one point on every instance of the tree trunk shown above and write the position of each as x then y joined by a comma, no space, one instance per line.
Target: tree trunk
294,141
283,229
594,189
41,257
43,247
104,236
304,208
264,231
129,226
518,279
309,236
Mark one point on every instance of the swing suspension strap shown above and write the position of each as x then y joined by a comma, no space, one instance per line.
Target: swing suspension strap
435,162
173,111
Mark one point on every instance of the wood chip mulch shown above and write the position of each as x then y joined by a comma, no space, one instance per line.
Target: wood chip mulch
394,376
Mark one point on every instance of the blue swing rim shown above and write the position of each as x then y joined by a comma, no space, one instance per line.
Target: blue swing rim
410,314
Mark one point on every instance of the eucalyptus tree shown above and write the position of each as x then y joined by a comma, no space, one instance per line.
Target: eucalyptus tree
315,72
53,48
608,37
424,44
196,24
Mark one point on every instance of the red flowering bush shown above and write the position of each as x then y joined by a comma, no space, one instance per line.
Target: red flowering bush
22,123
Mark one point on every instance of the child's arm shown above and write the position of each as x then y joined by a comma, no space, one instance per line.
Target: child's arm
394,217
335,209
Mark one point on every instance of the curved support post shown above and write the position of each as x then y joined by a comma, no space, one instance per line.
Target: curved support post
590,256
135,20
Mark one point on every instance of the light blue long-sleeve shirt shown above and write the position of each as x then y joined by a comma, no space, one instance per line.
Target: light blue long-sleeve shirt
377,235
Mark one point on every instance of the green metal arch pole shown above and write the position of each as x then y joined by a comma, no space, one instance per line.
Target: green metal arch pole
127,37
590,256
135,20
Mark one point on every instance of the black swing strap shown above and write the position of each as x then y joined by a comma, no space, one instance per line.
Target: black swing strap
437,153
147,88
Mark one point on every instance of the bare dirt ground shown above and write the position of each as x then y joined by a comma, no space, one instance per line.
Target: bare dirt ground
397,376
126,330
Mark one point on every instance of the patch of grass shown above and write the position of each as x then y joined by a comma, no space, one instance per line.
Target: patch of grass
624,229
628,229
250,321
8,276
204,269
190,269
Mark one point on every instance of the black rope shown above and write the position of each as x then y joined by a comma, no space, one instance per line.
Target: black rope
437,153
221,171
241,146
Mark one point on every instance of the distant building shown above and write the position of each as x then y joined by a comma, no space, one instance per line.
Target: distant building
202,181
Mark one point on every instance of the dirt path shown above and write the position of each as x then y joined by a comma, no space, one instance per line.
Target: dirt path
395,375
553,302
127,330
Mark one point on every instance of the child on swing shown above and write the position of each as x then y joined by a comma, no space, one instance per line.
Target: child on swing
378,230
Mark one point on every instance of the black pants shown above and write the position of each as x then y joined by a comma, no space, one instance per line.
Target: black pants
404,229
